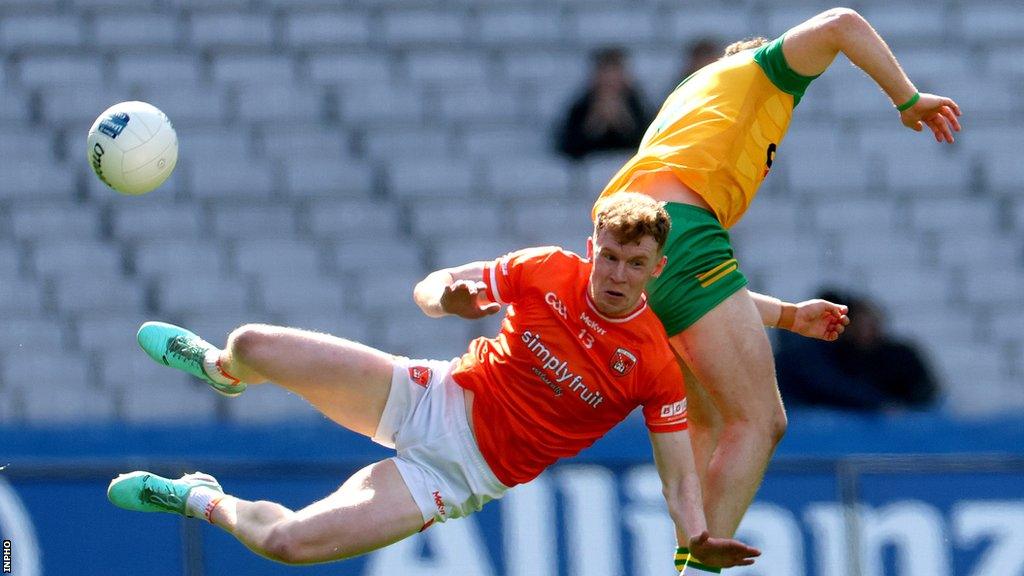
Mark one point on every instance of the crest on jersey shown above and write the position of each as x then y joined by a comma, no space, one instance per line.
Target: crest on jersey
623,361
420,375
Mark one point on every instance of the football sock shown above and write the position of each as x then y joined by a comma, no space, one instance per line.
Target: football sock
212,367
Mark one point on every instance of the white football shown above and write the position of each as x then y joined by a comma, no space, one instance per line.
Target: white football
133,147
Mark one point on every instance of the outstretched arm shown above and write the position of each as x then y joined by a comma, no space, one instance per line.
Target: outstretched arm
673,456
811,46
816,318
459,291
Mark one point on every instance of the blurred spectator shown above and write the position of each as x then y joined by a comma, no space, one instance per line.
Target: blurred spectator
865,369
610,115
700,53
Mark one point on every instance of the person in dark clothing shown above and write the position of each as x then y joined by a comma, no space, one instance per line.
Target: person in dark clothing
866,369
610,115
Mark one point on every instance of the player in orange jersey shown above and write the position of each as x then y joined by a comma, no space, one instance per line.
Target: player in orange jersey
705,154
578,350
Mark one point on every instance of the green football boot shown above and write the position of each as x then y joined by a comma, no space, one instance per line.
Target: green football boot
179,348
146,492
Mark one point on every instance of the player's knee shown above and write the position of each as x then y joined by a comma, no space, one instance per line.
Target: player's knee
777,425
245,342
839,20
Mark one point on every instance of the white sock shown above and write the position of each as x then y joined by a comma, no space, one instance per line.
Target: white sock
202,500
211,365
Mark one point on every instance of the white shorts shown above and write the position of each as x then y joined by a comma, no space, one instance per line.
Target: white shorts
425,421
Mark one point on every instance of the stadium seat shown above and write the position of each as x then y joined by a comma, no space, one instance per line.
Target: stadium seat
40,334
269,404
21,298
277,257
247,69
15,111
953,214
183,401
507,26
417,336
394,140
250,220
368,256
79,107
139,30
56,370
460,106
458,222
422,28
304,294
711,19
327,28
950,328
155,218
418,178
597,26
542,67
9,261
37,179
999,287
991,23
184,295
79,70
908,24
248,179
1003,169
448,253
188,105
384,103
98,296
24,143
201,144
307,140
541,222
176,257
768,215
329,178
881,249
349,68
35,31
41,220
232,29
528,176
111,334
280,103
977,250
145,68
598,170
907,287
353,220
56,258
482,140
44,407
446,68
386,291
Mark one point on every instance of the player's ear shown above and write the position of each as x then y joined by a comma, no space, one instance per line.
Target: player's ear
590,247
659,267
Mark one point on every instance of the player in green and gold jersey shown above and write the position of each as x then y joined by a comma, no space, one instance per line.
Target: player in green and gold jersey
706,154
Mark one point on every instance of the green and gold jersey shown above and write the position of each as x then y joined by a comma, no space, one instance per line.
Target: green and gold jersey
719,129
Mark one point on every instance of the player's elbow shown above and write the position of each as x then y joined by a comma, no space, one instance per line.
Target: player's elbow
281,545
839,22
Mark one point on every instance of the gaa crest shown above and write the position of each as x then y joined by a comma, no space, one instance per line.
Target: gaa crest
623,361
420,375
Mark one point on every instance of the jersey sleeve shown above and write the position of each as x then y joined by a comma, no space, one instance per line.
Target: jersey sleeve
771,59
665,408
506,277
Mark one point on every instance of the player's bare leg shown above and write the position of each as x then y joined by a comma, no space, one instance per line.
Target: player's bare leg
730,355
347,381
705,422
372,509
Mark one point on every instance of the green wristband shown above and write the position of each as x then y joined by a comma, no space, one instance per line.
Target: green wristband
913,100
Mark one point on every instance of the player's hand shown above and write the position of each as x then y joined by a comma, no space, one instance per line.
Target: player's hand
938,113
820,319
722,552
466,298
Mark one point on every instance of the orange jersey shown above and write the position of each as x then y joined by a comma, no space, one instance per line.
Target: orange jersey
560,374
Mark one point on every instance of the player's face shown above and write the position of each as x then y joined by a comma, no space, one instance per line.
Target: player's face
621,271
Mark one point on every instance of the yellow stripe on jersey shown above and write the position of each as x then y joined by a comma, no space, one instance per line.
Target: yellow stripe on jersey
722,274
